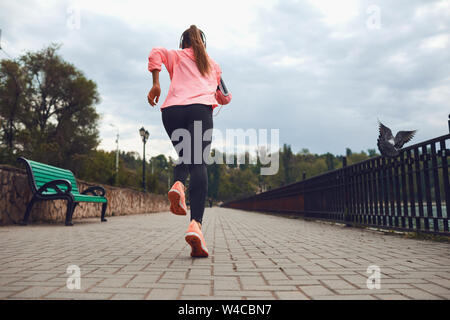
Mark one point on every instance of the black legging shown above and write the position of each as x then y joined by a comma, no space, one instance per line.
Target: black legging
183,117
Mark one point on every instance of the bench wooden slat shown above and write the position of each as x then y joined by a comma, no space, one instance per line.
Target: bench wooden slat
40,183
63,188
42,179
37,166
44,174
47,171
89,198
50,171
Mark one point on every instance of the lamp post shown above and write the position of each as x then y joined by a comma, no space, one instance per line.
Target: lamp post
117,150
168,180
150,162
144,135
168,176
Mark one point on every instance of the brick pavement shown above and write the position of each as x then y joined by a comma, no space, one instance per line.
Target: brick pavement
252,256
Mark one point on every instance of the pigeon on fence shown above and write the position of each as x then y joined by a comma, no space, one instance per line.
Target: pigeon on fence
390,146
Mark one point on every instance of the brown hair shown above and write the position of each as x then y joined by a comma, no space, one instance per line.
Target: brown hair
194,37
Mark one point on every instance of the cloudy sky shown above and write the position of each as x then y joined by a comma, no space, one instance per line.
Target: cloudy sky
321,72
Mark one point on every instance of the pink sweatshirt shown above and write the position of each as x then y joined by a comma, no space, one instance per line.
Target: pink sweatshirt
187,85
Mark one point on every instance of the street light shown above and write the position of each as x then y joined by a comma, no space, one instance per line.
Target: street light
150,161
168,179
117,150
168,176
144,135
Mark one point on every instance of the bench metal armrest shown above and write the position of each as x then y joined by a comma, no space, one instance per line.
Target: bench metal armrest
54,185
94,191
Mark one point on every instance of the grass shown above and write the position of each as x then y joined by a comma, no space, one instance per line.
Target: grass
427,236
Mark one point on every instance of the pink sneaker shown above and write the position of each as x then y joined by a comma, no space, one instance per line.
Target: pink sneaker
177,199
195,239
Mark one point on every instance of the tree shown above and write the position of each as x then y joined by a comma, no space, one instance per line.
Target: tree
348,152
372,152
11,107
56,120
330,161
286,159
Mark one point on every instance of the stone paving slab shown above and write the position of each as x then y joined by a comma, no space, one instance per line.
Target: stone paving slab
252,256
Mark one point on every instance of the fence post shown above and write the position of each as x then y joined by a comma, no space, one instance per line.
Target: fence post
304,175
346,195
449,123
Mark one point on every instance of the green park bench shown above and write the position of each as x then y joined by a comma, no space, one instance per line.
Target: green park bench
52,183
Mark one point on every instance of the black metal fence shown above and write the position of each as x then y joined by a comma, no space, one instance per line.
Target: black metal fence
410,192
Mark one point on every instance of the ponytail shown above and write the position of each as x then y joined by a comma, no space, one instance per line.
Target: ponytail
194,37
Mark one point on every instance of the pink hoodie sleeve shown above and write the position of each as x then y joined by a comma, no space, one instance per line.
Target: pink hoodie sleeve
159,56
221,99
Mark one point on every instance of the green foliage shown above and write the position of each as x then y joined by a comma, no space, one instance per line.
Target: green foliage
11,107
231,182
46,109
225,181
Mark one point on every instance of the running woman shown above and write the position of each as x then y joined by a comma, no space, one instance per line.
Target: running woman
189,104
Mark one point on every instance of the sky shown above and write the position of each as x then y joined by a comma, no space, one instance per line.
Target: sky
322,72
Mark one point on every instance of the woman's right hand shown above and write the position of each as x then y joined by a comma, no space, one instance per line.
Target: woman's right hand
153,95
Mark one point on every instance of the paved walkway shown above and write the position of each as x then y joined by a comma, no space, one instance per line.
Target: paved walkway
252,256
